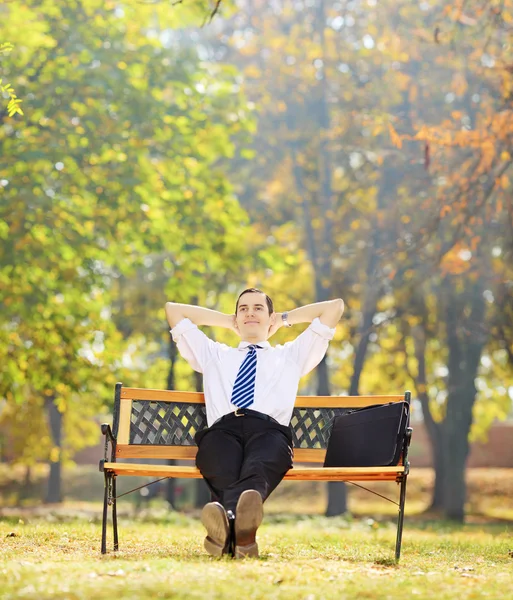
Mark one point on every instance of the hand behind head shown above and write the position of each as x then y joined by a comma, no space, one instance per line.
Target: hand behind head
274,328
235,327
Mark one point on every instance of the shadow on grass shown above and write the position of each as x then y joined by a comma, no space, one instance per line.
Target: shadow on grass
387,562
432,524
145,555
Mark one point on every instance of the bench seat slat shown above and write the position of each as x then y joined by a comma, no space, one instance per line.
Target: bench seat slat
297,473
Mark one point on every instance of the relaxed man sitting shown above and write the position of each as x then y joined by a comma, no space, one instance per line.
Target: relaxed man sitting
250,391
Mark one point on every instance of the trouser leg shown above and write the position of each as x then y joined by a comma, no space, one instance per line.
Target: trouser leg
219,459
267,458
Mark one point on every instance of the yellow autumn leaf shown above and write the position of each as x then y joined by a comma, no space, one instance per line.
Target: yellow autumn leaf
252,71
395,137
55,453
459,84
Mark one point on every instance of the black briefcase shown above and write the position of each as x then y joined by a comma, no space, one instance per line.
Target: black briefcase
368,437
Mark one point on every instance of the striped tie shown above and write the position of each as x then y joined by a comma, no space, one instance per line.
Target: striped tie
244,387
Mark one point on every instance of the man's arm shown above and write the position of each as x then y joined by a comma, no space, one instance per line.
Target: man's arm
329,313
308,349
198,315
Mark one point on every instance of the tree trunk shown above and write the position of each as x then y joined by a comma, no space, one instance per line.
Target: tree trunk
337,499
201,490
337,496
25,491
456,446
173,355
337,493
54,491
337,490
434,429
436,436
439,467
361,350
466,338
323,381
201,493
170,492
389,183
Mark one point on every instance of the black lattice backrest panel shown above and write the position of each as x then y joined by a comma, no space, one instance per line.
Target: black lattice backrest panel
311,427
169,423
175,424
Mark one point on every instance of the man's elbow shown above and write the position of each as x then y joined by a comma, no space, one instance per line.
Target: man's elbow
333,312
169,307
339,306
173,313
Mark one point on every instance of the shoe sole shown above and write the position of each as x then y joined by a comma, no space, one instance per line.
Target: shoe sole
249,515
250,551
215,522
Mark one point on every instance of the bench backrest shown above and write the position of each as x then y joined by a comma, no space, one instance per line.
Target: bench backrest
161,424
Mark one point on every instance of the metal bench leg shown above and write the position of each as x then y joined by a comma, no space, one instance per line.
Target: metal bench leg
114,513
400,519
231,549
104,521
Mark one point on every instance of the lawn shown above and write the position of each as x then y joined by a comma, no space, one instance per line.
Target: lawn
53,551
161,556
490,493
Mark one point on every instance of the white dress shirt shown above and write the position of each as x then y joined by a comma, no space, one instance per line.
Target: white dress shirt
279,368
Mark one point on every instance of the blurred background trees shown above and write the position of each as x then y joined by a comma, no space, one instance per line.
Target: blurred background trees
317,149
13,102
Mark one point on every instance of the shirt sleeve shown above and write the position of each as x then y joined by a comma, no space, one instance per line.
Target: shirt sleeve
308,349
197,349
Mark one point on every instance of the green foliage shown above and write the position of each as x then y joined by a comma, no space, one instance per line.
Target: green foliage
400,220
13,106
370,155
116,163
384,133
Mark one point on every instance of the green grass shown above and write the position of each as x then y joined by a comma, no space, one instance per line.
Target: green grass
490,492
301,558
54,552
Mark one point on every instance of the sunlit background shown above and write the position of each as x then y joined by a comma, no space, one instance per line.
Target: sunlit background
317,149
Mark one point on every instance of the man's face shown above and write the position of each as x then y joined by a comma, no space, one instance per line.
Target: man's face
253,318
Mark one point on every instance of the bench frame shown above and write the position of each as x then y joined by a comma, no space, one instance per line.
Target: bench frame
138,417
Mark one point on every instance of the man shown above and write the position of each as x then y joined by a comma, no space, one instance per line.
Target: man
250,391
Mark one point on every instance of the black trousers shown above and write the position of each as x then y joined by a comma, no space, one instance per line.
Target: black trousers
243,453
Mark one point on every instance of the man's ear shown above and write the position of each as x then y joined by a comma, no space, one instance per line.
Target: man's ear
273,318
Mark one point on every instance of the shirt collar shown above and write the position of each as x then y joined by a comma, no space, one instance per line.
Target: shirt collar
263,345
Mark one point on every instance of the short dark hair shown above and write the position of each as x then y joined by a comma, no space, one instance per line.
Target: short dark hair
252,291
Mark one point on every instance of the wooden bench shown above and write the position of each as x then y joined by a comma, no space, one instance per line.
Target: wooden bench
159,424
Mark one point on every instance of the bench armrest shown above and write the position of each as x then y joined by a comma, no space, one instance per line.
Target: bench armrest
406,445
109,437
106,430
408,434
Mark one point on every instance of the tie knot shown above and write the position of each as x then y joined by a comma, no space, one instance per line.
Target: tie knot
254,347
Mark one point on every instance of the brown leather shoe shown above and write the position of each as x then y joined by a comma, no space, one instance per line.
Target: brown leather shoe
248,516
213,517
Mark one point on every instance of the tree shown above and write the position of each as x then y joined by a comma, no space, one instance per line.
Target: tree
13,106
470,251
407,194
81,210
310,135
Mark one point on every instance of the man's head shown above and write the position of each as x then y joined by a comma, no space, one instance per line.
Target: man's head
254,315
